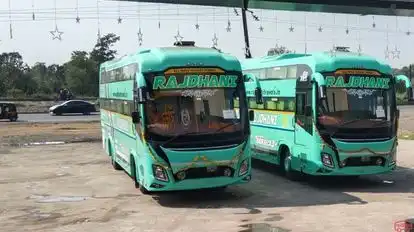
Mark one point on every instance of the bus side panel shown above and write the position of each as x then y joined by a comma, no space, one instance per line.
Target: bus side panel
144,159
270,130
124,140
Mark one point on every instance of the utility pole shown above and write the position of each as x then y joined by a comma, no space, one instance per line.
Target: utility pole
247,52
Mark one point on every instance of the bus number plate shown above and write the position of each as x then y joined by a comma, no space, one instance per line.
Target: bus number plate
211,169
365,159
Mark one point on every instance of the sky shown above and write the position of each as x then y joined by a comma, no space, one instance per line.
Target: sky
32,38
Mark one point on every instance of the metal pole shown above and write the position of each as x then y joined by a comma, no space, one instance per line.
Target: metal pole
247,52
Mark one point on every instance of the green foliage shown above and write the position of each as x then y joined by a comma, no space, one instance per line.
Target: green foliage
42,82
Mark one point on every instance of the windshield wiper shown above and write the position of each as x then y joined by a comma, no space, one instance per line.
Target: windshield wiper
177,136
341,125
197,133
224,127
380,123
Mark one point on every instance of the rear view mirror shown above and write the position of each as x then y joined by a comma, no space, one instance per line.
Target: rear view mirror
141,95
135,117
251,115
202,116
308,111
322,91
410,94
397,113
258,95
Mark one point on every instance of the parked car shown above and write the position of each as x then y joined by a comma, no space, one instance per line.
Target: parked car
8,111
72,107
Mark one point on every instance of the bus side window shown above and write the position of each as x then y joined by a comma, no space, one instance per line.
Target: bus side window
300,103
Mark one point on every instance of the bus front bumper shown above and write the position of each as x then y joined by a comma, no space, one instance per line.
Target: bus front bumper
193,184
321,170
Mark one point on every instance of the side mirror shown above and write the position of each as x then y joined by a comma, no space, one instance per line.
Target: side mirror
246,78
141,95
202,116
258,95
135,117
410,94
322,91
397,113
308,111
251,115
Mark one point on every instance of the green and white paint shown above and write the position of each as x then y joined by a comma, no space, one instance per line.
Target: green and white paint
195,81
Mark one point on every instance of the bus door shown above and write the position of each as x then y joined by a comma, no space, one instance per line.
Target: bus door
304,108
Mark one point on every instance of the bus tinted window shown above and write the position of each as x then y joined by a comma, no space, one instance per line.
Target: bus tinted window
275,104
117,106
124,73
281,72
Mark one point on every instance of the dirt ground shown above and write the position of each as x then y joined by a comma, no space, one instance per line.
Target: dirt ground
73,187
22,133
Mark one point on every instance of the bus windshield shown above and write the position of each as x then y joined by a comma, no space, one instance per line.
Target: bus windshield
201,110
349,105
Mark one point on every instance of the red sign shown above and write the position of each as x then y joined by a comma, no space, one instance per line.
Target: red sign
403,226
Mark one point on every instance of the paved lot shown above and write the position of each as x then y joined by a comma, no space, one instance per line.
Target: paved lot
63,118
74,188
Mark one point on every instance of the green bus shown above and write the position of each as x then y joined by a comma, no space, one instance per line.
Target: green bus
323,114
168,118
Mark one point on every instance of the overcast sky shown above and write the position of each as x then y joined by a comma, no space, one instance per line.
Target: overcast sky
34,41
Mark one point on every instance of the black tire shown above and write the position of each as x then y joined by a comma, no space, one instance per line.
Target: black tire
13,119
135,178
115,165
286,166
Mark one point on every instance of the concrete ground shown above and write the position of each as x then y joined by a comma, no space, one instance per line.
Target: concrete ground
74,188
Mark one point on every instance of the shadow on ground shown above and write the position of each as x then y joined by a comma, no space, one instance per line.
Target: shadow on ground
267,189
398,181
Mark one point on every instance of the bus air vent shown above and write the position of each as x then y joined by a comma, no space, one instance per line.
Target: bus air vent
184,44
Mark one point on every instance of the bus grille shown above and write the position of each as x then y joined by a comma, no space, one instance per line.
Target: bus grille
358,161
202,172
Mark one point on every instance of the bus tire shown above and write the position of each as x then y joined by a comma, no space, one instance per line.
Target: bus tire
115,165
286,164
135,178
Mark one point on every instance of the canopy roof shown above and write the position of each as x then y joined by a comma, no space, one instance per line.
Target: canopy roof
363,7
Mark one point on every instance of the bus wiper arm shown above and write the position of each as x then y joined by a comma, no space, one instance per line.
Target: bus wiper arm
225,126
343,124
177,136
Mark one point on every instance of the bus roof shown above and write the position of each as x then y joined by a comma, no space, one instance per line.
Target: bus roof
319,61
162,58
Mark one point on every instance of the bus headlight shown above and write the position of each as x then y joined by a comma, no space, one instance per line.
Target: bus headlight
244,167
327,160
159,173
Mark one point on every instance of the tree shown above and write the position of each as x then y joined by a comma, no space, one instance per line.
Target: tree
102,51
81,74
11,70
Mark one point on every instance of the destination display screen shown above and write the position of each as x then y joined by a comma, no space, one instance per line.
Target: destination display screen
194,78
357,79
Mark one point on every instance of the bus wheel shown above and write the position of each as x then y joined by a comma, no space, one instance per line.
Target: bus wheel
115,165
135,177
287,167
